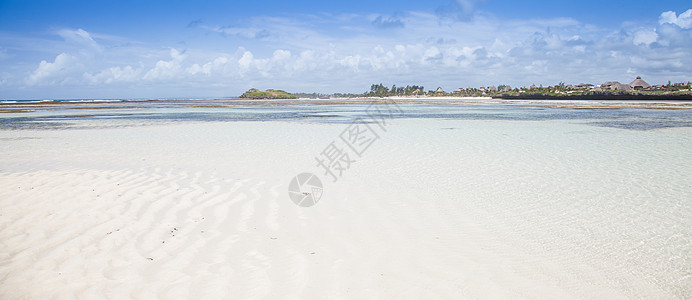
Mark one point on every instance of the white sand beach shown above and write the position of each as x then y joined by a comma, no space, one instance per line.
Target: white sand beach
441,208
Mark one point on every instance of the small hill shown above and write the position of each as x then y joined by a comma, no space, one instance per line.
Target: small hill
268,94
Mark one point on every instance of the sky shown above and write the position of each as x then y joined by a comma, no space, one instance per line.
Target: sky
109,49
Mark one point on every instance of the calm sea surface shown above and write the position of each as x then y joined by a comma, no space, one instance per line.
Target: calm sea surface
118,114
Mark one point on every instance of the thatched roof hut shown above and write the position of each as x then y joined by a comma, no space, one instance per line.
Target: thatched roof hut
640,84
609,85
617,86
622,87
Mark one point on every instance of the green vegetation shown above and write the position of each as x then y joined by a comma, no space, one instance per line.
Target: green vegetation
268,94
379,90
562,91
559,91
606,91
312,95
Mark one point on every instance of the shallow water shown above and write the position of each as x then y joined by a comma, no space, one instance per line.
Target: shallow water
150,113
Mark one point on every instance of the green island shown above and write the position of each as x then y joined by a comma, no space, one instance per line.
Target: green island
268,94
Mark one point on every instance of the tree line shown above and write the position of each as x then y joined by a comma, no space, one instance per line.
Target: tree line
379,90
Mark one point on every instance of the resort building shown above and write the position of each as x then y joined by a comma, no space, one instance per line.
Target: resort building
639,84
615,85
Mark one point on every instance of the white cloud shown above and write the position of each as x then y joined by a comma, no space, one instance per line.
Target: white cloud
80,37
246,61
431,54
166,69
645,37
217,65
113,75
352,63
683,21
280,55
49,72
343,53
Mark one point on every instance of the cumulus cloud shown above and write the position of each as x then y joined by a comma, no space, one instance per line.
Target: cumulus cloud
166,69
218,65
50,72
245,62
343,53
113,75
431,54
683,21
280,55
645,37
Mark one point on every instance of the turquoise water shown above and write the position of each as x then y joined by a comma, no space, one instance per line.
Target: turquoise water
79,115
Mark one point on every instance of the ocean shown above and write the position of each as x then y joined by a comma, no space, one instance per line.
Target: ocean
52,114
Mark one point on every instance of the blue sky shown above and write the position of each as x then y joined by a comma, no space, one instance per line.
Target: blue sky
160,49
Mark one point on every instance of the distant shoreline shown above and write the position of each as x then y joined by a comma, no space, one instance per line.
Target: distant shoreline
409,99
631,97
558,102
